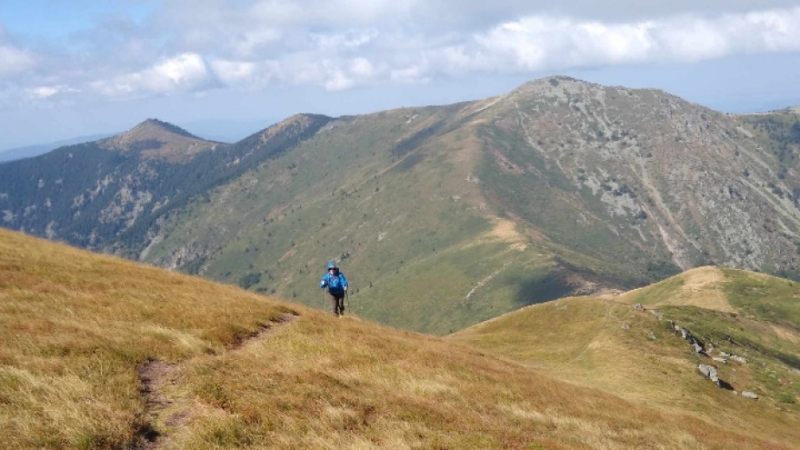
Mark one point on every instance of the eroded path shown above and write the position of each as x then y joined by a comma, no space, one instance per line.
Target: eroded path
165,407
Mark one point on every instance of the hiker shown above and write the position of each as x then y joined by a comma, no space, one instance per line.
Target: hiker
337,287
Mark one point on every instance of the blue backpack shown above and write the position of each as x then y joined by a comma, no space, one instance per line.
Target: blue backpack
334,283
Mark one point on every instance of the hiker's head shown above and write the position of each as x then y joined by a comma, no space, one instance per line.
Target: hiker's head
332,266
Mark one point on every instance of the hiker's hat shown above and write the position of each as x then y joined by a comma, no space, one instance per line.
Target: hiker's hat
331,265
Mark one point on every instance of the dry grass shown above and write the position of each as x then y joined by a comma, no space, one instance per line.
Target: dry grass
346,384
76,327
506,230
582,341
700,287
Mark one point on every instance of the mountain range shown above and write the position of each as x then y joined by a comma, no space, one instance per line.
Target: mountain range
442,216
578,249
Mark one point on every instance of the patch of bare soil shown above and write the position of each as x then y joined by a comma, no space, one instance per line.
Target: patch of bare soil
788,334
504,163
265,331
157,378
154,376
608,293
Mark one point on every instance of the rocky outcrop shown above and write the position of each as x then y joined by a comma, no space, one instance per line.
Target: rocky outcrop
710,372
689,183
737,358
696,344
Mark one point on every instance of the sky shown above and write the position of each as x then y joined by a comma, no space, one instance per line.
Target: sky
83,67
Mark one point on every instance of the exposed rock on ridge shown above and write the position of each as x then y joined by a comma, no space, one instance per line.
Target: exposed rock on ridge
670,177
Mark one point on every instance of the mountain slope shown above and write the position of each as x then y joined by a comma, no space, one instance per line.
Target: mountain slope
641,176
443,216
446,216
109,194
388,194
635,353
99,352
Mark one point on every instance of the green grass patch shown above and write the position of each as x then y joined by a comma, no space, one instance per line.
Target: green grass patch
659,292
767,298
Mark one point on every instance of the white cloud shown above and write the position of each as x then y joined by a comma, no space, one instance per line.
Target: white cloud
312,42
234,71
432,15
251,42
182,73
348,40
355,72
333,12
546,43
411,74
333,75
342,60
44,92
14,60
362,68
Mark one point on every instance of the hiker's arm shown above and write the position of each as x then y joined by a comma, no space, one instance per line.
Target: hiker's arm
344,280
324,281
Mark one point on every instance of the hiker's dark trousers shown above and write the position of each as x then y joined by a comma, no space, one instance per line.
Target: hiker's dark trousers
338,303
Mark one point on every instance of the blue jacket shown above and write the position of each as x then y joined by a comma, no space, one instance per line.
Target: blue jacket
334,286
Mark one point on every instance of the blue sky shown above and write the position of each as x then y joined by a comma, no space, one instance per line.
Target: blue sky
51,19
80,67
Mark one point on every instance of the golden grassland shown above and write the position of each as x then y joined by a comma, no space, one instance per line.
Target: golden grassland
585,341
77,329
74,328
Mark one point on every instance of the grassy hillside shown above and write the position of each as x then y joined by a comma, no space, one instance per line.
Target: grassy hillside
74,328
101,353
110,195
608,344
441,216
394,198
446,216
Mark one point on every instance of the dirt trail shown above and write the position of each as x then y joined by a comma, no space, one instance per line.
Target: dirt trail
155,377
159,382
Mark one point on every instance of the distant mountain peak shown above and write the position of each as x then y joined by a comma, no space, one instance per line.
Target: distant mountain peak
556,81
566,89
553,85
166,126
157,139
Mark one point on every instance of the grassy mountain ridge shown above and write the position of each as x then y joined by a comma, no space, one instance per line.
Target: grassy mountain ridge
483,207
610,345
83,334
445,216
110,194
394,197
